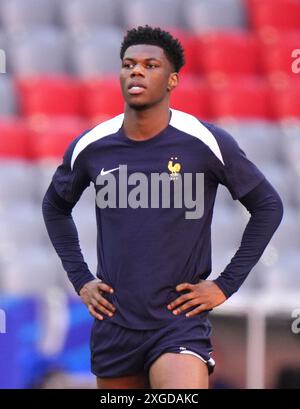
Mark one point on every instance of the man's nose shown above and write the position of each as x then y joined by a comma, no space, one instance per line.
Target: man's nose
137,70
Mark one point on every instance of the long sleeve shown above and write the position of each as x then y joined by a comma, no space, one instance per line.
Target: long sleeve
63,234
266,209
68,183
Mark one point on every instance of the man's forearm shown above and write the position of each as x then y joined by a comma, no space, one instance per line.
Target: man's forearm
266,210
64,237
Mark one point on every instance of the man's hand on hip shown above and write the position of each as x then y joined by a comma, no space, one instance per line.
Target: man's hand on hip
204,295
91,295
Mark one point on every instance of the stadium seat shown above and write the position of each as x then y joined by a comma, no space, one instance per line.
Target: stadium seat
286,97
102,98
189,43
207,15
18,183
79,15
229,53
38,51
291,147
191,96
283,180
162,13
49,95
97,51
14,137
8,97
241,98
260,140
19,14
277,58
51,136
38,270
268,16
45,168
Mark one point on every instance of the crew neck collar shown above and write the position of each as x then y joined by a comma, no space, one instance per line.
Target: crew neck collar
151,140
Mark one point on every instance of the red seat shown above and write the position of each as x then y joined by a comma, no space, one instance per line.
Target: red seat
269,15
276,55
14,138
189,44
244,97
191,96
286,97
49,95
228,54
102,97
51,136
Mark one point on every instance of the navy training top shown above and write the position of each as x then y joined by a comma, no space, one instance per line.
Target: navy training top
145,252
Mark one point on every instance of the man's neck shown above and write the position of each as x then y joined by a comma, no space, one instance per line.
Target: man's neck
142,125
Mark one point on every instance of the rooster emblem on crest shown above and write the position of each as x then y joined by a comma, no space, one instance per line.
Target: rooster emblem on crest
174,168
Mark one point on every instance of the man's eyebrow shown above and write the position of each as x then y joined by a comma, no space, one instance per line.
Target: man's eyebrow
145,59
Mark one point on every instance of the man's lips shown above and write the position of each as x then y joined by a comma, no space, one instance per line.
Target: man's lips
136,88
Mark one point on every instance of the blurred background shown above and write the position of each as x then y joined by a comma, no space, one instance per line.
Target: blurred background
59,76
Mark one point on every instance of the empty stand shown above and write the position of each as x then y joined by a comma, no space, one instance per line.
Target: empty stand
207,15
163,13
241,98
38,51
97,51
78,15
14,136
17,15
285,98
49,95
50,137
229,54
191,95
102,98
268,16
260,140
278,55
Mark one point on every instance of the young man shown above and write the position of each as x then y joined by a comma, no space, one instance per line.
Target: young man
154,252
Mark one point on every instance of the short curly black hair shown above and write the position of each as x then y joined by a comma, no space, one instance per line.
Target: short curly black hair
155,36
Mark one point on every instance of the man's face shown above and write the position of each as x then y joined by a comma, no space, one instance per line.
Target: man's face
146,76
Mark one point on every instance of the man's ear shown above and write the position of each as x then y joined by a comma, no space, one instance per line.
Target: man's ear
173,81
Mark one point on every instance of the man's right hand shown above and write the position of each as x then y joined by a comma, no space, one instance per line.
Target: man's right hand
91,295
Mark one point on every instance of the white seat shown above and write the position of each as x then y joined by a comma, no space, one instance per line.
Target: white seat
39,51
79,15
20,14
162,13
97,51
18,183
260,140
32,272
207,15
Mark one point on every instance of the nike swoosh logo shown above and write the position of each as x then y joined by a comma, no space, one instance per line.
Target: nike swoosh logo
105,172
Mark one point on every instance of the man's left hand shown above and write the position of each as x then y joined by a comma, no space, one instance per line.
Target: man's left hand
204,295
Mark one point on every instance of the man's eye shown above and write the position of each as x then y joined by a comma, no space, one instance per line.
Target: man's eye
151,66
127,65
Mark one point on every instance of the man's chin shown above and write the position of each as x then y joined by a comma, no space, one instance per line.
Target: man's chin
139,107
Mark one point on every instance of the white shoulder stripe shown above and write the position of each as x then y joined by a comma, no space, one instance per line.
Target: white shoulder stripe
104,129
190,124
